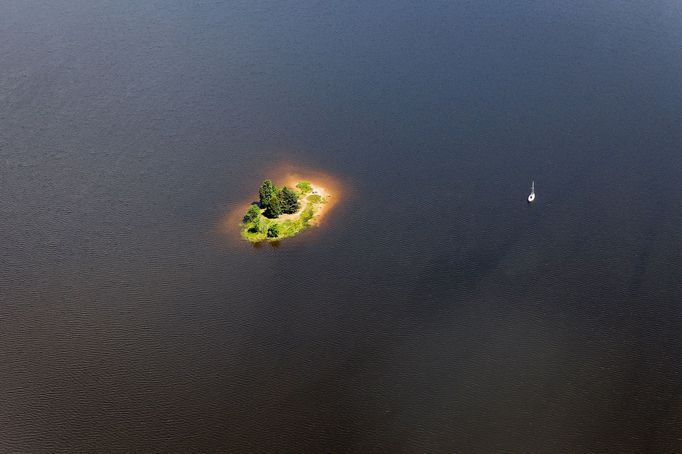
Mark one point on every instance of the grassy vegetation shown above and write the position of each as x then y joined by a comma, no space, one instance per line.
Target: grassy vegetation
305,187
314,198
257,226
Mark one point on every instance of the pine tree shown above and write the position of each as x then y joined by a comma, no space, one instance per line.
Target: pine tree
266,191
273,207
289,201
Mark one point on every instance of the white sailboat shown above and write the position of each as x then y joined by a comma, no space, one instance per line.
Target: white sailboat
531,197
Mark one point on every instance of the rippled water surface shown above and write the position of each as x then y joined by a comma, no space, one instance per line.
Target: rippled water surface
432,311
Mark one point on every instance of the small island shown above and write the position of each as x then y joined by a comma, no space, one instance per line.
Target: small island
282,212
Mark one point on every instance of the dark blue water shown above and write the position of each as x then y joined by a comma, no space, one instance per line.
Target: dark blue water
433,311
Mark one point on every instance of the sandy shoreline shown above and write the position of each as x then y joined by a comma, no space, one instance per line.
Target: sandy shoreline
321,207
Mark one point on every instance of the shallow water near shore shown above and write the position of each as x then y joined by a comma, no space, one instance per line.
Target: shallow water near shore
433,310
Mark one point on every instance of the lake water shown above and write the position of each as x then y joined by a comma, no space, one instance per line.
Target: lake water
434,310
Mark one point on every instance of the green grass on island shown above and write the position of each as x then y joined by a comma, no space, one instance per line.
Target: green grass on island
282,212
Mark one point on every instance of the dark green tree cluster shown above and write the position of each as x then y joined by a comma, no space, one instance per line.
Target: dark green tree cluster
277,201
251,214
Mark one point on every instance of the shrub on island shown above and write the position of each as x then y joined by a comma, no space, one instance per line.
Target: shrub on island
256,226
273,231
252,214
